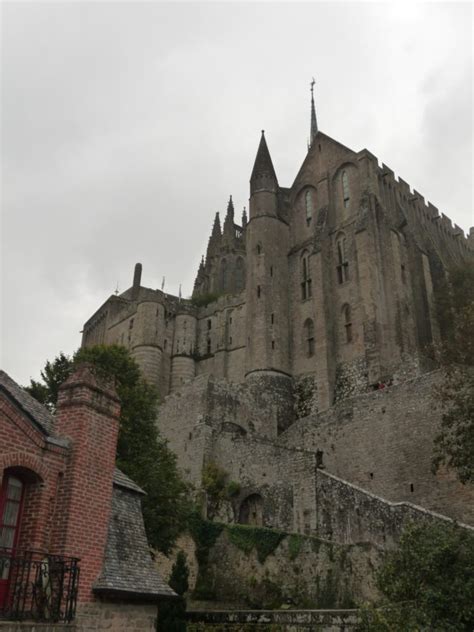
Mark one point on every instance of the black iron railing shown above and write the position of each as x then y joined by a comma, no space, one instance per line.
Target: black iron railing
38,586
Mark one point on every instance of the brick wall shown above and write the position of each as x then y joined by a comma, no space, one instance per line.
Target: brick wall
87,414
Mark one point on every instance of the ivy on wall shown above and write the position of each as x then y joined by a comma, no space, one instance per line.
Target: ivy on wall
246,538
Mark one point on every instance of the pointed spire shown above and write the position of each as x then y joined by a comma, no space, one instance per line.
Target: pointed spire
263,174
314,124
230,209
244,218
215,238
216,229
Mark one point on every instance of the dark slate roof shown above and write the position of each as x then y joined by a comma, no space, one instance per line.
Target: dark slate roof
36,411
128,569
263,162
122,480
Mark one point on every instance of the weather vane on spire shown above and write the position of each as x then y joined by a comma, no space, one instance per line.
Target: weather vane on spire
314,125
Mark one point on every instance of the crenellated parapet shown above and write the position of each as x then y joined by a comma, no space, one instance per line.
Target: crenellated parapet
396,190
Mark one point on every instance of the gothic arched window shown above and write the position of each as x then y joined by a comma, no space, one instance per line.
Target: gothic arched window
308,199
239,275
345,189
347,321
305,276
224,276
309,337
342,262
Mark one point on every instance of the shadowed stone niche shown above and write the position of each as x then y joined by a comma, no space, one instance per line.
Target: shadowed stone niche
251,510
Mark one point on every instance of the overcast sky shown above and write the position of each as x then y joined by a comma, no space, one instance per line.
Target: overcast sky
126,126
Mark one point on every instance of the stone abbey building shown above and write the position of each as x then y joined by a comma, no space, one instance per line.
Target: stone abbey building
299,365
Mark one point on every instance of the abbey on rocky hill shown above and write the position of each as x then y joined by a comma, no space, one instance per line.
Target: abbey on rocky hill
299,365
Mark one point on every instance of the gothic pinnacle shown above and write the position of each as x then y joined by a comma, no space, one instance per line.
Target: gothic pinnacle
216,229
230,209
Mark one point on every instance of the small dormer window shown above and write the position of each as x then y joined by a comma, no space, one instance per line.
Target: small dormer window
345,189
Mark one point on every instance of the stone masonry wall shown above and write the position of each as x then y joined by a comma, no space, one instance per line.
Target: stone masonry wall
348,514
102,616
383,442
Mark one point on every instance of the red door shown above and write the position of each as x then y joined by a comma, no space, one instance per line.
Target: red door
11,496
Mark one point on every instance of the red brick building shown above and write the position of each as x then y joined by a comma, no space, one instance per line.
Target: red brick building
72,542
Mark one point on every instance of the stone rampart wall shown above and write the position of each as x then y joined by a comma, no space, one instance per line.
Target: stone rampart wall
383,443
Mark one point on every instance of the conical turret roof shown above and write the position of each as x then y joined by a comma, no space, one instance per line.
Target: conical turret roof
263,165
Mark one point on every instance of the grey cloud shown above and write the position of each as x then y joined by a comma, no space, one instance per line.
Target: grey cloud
127,125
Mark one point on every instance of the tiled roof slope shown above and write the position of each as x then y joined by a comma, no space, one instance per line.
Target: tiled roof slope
122,480
36,411
128,568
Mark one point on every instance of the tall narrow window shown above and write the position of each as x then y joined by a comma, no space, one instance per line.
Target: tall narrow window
309,337
309,205
208,346
259,249
342,263
345,189
306,289
224,276
346,314
239,275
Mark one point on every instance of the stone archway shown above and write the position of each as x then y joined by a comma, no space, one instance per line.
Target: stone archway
251,510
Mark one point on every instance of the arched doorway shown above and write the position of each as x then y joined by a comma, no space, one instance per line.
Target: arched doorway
11,502
251,510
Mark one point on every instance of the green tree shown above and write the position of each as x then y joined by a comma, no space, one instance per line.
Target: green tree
172,615
454,445
179,579
427,583
141,452
53,375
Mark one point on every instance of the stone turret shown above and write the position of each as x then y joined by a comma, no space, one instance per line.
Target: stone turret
267,275
182,362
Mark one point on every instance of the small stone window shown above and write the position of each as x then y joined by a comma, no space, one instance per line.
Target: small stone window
272,318
342,262
259,249
306,290
273,344
346,314
259,291
209,324
208,346
345,189
309,337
